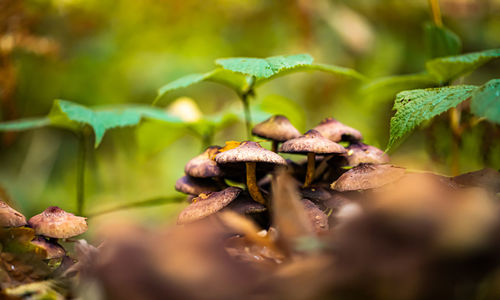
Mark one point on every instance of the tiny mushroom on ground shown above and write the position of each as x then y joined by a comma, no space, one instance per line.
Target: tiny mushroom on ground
56,223
195,186
277,128
207,204
311,143
251,154
203,165
337,131
367,176
10,217
53,249
359,153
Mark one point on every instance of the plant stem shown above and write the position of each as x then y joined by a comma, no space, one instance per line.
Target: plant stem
275,146
253,189
80,172
248,115
436,12
456,139
311,164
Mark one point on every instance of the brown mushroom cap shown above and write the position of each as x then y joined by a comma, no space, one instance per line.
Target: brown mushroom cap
10,217
277,128
360,153
57,223
244,204
486,178
203,166
311,142
367,176
249,152
319,220
195,186
205,206
53,249
337,131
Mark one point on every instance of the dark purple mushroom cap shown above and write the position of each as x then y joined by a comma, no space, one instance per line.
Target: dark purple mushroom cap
53,249
367,176
319,220
360,153
10,217
277,128
57,223
208,204
316,193
244,204
337,131
203,166
249,152
311,142
195,186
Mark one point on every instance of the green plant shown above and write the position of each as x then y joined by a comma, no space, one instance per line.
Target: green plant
244,75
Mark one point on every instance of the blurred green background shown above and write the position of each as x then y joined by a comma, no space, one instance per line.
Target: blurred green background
110,52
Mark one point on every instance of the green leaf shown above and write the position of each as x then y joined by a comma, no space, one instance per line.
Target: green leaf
485,101
143,203
75,116
24,124
416,106
451,67
441,41
235,81
264,67
387,87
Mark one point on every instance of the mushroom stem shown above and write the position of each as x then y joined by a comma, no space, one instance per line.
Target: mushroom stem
253,189
275,146
311,157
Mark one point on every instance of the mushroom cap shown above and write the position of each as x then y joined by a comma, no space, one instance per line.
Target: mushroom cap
10,217
486,178
316,193
337,131
311,142
204,206
367,176
319,220
244,204
360,153
203,166
195,186
57,223
53,249
277,128
249,152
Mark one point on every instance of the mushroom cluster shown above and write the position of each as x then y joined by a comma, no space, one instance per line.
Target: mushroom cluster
49,226
337,163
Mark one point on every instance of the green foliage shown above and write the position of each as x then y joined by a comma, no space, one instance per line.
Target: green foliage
441,41
144,203
25,124
448,68
485,101
386,87
416,106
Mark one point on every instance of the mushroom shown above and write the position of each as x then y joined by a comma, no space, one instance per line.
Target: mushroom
53,249
359,153
367,176
318,219
252,155
311,143
245,205
203,165
10,217
195,186
277,128
207,204
337,131
56,223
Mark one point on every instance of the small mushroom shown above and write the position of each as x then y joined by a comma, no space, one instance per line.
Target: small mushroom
195,186
10,217
277,128
319,220
53,249
56,223
207,204
252,155
486,178
245,205
203,165
367,176
311,143
359,153
337,131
